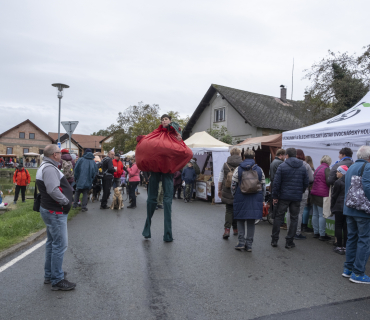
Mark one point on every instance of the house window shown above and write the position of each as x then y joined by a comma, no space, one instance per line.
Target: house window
22,135
32,136
9,150
26,150
220,115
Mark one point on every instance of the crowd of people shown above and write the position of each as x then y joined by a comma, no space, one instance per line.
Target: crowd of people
298,190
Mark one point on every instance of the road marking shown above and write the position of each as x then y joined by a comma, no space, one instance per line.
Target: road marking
24,254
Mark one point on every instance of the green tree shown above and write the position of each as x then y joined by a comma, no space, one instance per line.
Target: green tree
220,134
175,116
338,82
101,132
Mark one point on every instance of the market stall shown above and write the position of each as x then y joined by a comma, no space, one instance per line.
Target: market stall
349,129
211,154
265,148
34,162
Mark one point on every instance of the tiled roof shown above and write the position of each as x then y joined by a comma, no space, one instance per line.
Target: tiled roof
258,110
84,140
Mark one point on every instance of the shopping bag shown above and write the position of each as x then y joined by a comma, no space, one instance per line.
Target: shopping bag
326,206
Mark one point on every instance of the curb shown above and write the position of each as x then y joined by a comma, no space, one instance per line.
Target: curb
31,239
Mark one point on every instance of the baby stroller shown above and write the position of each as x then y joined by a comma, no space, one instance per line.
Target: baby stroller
267,213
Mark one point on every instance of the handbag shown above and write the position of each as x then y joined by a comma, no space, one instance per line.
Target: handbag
356,198
326,206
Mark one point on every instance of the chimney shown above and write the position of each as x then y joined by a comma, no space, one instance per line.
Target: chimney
306,96
283,93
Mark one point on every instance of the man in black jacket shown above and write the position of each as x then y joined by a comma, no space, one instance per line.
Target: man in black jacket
290,182
279,159
108,170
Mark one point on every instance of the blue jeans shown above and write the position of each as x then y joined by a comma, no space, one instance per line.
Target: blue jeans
318,220
306,214
56,244
358,245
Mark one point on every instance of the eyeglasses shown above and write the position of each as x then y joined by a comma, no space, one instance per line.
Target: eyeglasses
58,152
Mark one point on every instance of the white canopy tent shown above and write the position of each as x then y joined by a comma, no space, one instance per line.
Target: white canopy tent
349,129
31,154
128,154
201,143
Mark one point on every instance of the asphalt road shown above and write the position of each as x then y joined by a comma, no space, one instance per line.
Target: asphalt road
199,275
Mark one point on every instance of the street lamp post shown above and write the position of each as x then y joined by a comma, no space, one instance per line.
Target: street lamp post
60,87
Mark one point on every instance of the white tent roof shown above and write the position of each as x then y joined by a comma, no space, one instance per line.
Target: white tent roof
204,140
31,154
130,153
201,142
349,129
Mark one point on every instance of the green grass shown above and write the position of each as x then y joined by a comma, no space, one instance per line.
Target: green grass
19,223
32,172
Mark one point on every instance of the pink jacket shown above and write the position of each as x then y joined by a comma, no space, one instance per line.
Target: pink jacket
319,187
134,173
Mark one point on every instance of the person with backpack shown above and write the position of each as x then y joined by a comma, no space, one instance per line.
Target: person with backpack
224,190
84,174
21,179
188,176
67,165
290,182
249,188
358,220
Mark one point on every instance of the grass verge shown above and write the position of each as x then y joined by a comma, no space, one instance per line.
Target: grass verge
19,223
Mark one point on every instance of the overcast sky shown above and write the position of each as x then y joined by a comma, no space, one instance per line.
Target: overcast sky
114,54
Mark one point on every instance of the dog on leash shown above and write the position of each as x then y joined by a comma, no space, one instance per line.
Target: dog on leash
117,202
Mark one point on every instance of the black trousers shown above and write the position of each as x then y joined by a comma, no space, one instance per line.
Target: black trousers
132,187
107,184
340,228
23,190
282,206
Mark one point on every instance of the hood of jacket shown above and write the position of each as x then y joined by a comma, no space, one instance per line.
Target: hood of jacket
294,162
66,157
247,164
89,156
234,161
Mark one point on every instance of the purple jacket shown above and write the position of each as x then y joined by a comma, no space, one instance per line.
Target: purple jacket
320,188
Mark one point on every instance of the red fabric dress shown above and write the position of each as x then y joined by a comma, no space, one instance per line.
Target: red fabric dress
160,151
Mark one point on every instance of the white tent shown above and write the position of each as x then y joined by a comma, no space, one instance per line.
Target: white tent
202,142
31,154
349,129
128,154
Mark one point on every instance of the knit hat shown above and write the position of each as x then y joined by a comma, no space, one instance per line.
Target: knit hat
88,150
64,151
117,155
342,169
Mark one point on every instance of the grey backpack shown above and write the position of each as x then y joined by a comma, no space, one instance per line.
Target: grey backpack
250,182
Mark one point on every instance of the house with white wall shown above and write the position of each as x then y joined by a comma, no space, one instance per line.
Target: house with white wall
245,114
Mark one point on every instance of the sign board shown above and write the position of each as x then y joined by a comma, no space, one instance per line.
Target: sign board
69,126
59,145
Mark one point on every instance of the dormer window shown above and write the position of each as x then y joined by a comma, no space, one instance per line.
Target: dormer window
220,114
